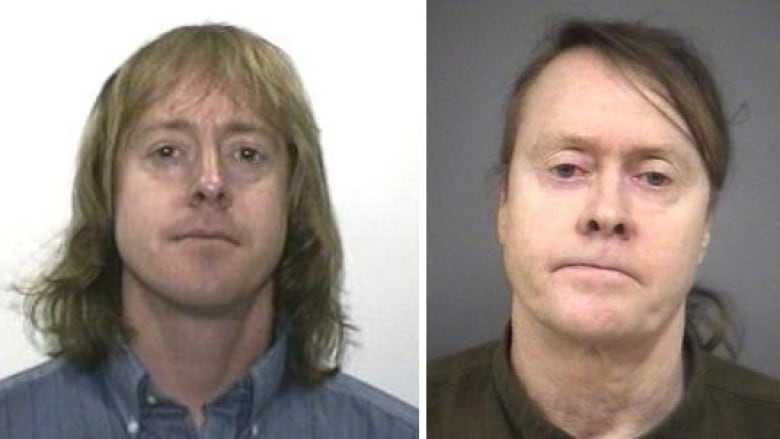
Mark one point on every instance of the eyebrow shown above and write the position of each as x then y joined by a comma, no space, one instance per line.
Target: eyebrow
556,141
172,125
239,127
575,141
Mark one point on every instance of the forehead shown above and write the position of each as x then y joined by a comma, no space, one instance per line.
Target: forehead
581,93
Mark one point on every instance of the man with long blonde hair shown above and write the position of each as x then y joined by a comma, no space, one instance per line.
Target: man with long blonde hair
197,291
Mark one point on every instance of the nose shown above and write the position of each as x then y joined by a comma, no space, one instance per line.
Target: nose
606,212
209,186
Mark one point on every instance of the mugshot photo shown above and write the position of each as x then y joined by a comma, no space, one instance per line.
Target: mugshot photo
206,239
603,229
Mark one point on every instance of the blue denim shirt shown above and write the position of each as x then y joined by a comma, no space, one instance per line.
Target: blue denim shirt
59,400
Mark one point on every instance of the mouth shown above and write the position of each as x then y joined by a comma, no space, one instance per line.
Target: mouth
598,269
205,236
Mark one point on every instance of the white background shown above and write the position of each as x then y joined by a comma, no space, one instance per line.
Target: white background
363,64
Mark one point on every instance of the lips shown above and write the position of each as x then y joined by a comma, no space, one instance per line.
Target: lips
600,265
206,235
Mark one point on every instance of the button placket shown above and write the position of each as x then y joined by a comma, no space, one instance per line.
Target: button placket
133,427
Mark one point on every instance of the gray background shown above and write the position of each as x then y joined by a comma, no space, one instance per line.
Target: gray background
475,49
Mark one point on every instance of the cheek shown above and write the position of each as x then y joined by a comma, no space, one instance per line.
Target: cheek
670,250
139,209
679,249
538,221
537,226
265,214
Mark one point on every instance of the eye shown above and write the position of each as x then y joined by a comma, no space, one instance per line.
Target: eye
656,179
167,151
566,170
249,154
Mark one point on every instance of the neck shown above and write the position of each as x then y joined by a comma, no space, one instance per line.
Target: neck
192,357
599,389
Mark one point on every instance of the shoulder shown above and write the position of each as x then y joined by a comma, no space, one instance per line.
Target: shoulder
361,410
461,372
462,401
364,398
349,389
734,382
42,400
39,379
736,402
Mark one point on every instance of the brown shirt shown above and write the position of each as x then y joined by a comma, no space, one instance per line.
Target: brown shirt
475,394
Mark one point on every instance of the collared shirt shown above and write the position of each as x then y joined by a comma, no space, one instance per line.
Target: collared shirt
59,400
475,394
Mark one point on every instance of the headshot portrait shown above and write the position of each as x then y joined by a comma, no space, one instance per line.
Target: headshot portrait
206,240
602,215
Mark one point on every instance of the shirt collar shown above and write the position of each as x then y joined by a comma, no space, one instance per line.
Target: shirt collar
268,373
126,378
123,375
523,417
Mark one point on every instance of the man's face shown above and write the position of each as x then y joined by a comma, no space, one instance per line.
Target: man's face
604,218
201,207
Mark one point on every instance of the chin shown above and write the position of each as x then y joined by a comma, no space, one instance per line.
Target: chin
208,302
204,293
597,323
180,288
598,332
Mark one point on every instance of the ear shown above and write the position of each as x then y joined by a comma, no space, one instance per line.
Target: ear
501,217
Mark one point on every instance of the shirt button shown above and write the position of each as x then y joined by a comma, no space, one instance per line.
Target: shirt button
132,427
254,430
151,399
